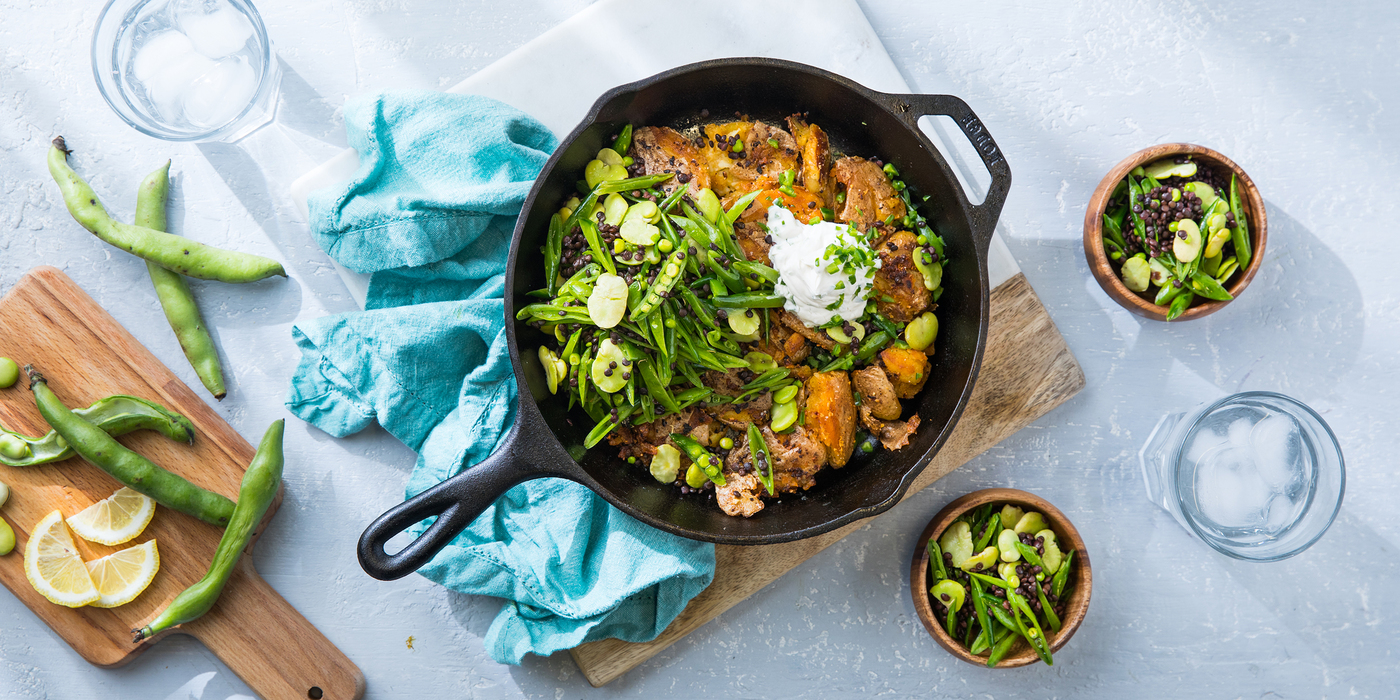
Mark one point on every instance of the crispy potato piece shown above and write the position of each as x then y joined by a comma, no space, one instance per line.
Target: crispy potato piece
892,434
876,393
815,150
753,241
661,149
831,415
760,163
869,196
907,370
783,345
792,321
899,279
739,495
797,457
755,411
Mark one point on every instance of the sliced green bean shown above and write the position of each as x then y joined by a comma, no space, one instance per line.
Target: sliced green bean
1206,286
181,312
256,494
115,415
133,470
174,253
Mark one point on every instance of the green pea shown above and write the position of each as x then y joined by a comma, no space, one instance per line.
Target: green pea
695,476
726,443
785,394
9,372
784,416
666,246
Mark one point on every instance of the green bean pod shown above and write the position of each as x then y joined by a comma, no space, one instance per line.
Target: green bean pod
115,415
665,281
553,252
174,293
174,253
1240,234
758,449
255,496
624,141
133,470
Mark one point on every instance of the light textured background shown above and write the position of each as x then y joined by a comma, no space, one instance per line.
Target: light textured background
1303,96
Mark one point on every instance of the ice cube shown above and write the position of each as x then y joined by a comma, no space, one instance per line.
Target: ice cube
1239,433
219,33
1282,512
1229,489
1202,442
220,94
160,50
1277,450
170,85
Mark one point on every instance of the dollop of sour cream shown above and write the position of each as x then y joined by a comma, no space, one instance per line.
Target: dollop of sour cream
825,269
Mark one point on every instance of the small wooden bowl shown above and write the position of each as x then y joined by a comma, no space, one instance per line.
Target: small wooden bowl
1081,578
1140,303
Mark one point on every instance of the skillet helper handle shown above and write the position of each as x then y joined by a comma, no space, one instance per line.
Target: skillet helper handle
984,215
455,502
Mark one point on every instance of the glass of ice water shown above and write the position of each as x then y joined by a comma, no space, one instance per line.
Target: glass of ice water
1257,476
186,70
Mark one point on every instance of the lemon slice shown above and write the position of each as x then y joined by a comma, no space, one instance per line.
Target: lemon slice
53,566
122,576
117,519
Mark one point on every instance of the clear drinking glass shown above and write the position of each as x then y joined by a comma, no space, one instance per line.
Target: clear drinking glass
1257,476
186,70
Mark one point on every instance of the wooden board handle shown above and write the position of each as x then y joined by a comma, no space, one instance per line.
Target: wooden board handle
284,657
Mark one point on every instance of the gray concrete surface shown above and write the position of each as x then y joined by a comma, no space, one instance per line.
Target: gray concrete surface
1303,95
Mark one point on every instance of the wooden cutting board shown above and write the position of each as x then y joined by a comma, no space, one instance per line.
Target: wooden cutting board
86,355
1027,369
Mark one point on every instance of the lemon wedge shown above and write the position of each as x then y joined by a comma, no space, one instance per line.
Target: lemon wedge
115,520
122,576
53,566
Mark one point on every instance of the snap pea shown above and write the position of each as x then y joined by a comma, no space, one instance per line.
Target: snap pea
988,532
665,281
758,449
1029,554
1179,304
740,206
595,246
655,389
990,579
1206,286
553,253
255,496
606,425
181,312
115,415
1240,235
1057,584
979,604
749,300
174,253
624,141
133,470
1033,634
701,456
1110,226
1047,609
1001,649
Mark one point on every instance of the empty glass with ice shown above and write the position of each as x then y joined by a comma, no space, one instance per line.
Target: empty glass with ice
186,70
1257,476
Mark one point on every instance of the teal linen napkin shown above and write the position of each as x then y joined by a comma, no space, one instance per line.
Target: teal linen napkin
430,213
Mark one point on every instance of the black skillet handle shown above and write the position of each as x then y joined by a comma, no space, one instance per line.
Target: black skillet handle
984,216
455,502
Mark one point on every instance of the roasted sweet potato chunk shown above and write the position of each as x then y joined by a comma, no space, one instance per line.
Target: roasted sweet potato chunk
815,151
869,196
831,414
898,278
661,149
907,370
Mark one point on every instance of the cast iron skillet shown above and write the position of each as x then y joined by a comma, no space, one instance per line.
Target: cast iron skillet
859,122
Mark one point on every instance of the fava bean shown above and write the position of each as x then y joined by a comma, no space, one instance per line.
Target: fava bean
174,253
260,485
9,372
115,415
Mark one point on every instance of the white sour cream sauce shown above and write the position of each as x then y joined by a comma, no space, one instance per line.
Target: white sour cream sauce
798,254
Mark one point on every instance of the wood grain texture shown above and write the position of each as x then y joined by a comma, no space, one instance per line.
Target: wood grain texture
87,355
1027,369
1080,584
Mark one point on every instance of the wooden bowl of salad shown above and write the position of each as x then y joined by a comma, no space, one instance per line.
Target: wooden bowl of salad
1063,561
1196,242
